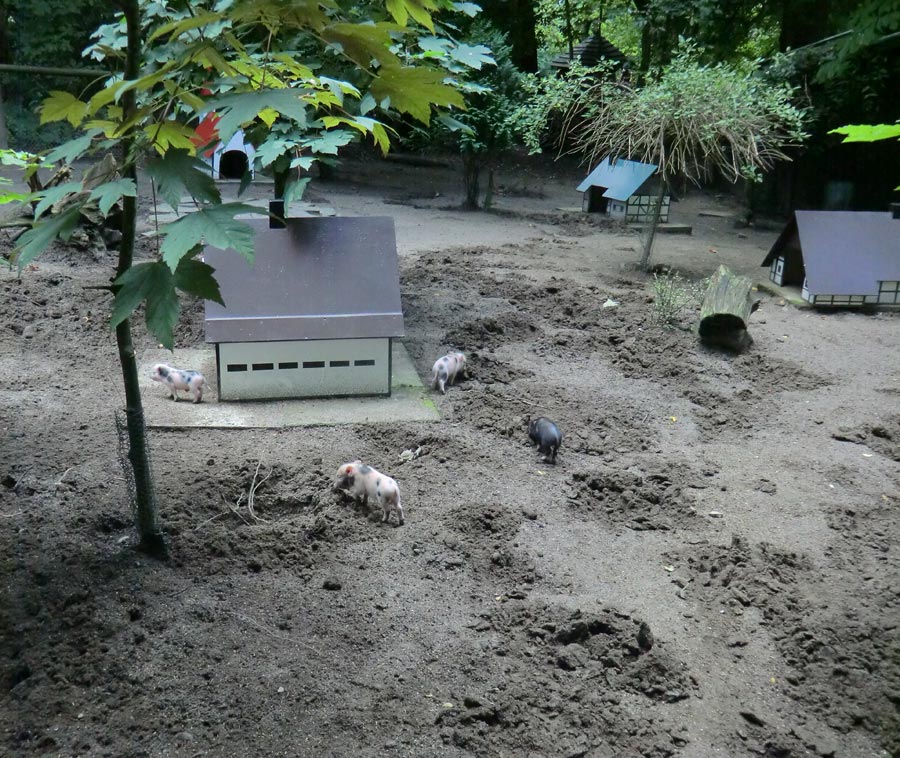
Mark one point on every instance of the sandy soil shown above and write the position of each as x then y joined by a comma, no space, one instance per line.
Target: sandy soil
711,568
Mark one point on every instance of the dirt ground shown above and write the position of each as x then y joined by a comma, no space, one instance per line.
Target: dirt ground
711,569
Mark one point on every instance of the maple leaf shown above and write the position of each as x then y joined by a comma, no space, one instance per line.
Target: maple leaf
329,142
170,134
473,56
74,148
38,238
155,285
62,106
178,172
867,132
413,90
242,108
214,225
108,194
52,195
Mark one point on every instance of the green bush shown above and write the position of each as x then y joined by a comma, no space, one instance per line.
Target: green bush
675,295
26,132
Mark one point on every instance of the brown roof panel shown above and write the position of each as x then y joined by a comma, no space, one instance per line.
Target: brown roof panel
318,278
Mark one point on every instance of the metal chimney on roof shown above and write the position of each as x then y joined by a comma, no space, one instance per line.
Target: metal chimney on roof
276,214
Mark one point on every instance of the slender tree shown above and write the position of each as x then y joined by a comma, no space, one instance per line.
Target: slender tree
147,508
691,120
247,62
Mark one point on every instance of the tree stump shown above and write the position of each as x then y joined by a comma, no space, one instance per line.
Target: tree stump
726,307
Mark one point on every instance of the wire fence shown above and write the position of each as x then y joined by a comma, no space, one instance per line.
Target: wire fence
124,461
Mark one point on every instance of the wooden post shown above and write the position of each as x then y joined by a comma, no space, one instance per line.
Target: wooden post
654,224
726,307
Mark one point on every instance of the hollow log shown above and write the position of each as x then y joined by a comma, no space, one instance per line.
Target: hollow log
727,305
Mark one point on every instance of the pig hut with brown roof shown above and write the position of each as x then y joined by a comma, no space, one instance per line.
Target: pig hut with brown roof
314,314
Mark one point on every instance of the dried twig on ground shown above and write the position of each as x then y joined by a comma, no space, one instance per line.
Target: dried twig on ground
235,509
256,625
213,518
251,493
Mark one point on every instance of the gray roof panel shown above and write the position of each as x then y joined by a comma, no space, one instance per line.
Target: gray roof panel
848,252
319,278
621,179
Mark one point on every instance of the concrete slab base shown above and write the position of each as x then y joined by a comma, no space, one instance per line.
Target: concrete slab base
165,215
409,400
666,228
790,294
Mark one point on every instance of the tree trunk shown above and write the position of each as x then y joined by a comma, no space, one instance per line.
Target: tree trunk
726,307
489,192
5,55
4,133
517,19
280,177
471,179
643,8
151,537
654,223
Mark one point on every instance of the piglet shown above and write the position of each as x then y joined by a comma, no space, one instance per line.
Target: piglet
446,369
179,379
546,435
364,482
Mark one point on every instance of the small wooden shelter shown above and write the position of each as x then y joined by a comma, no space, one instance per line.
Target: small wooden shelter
590,52
624,190
839,257
315,313
229,160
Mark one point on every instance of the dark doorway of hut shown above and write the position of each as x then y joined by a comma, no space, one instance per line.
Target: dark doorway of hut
596,203
233,164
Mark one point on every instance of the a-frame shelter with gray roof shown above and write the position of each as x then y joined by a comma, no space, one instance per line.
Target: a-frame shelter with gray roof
624,190
839,257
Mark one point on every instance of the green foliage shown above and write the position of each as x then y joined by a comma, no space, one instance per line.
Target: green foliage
689,119
621,24
546,99
724,32
109,193
849,76
867,132
214,225
622,28
38,238
870,21
730,31
18,160
25,129
301,79
43,33
673,295
485,130
178,173
156,285
488,129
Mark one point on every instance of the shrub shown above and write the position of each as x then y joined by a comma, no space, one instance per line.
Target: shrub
674,295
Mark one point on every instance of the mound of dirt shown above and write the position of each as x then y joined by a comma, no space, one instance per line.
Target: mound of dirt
562,687
576,609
